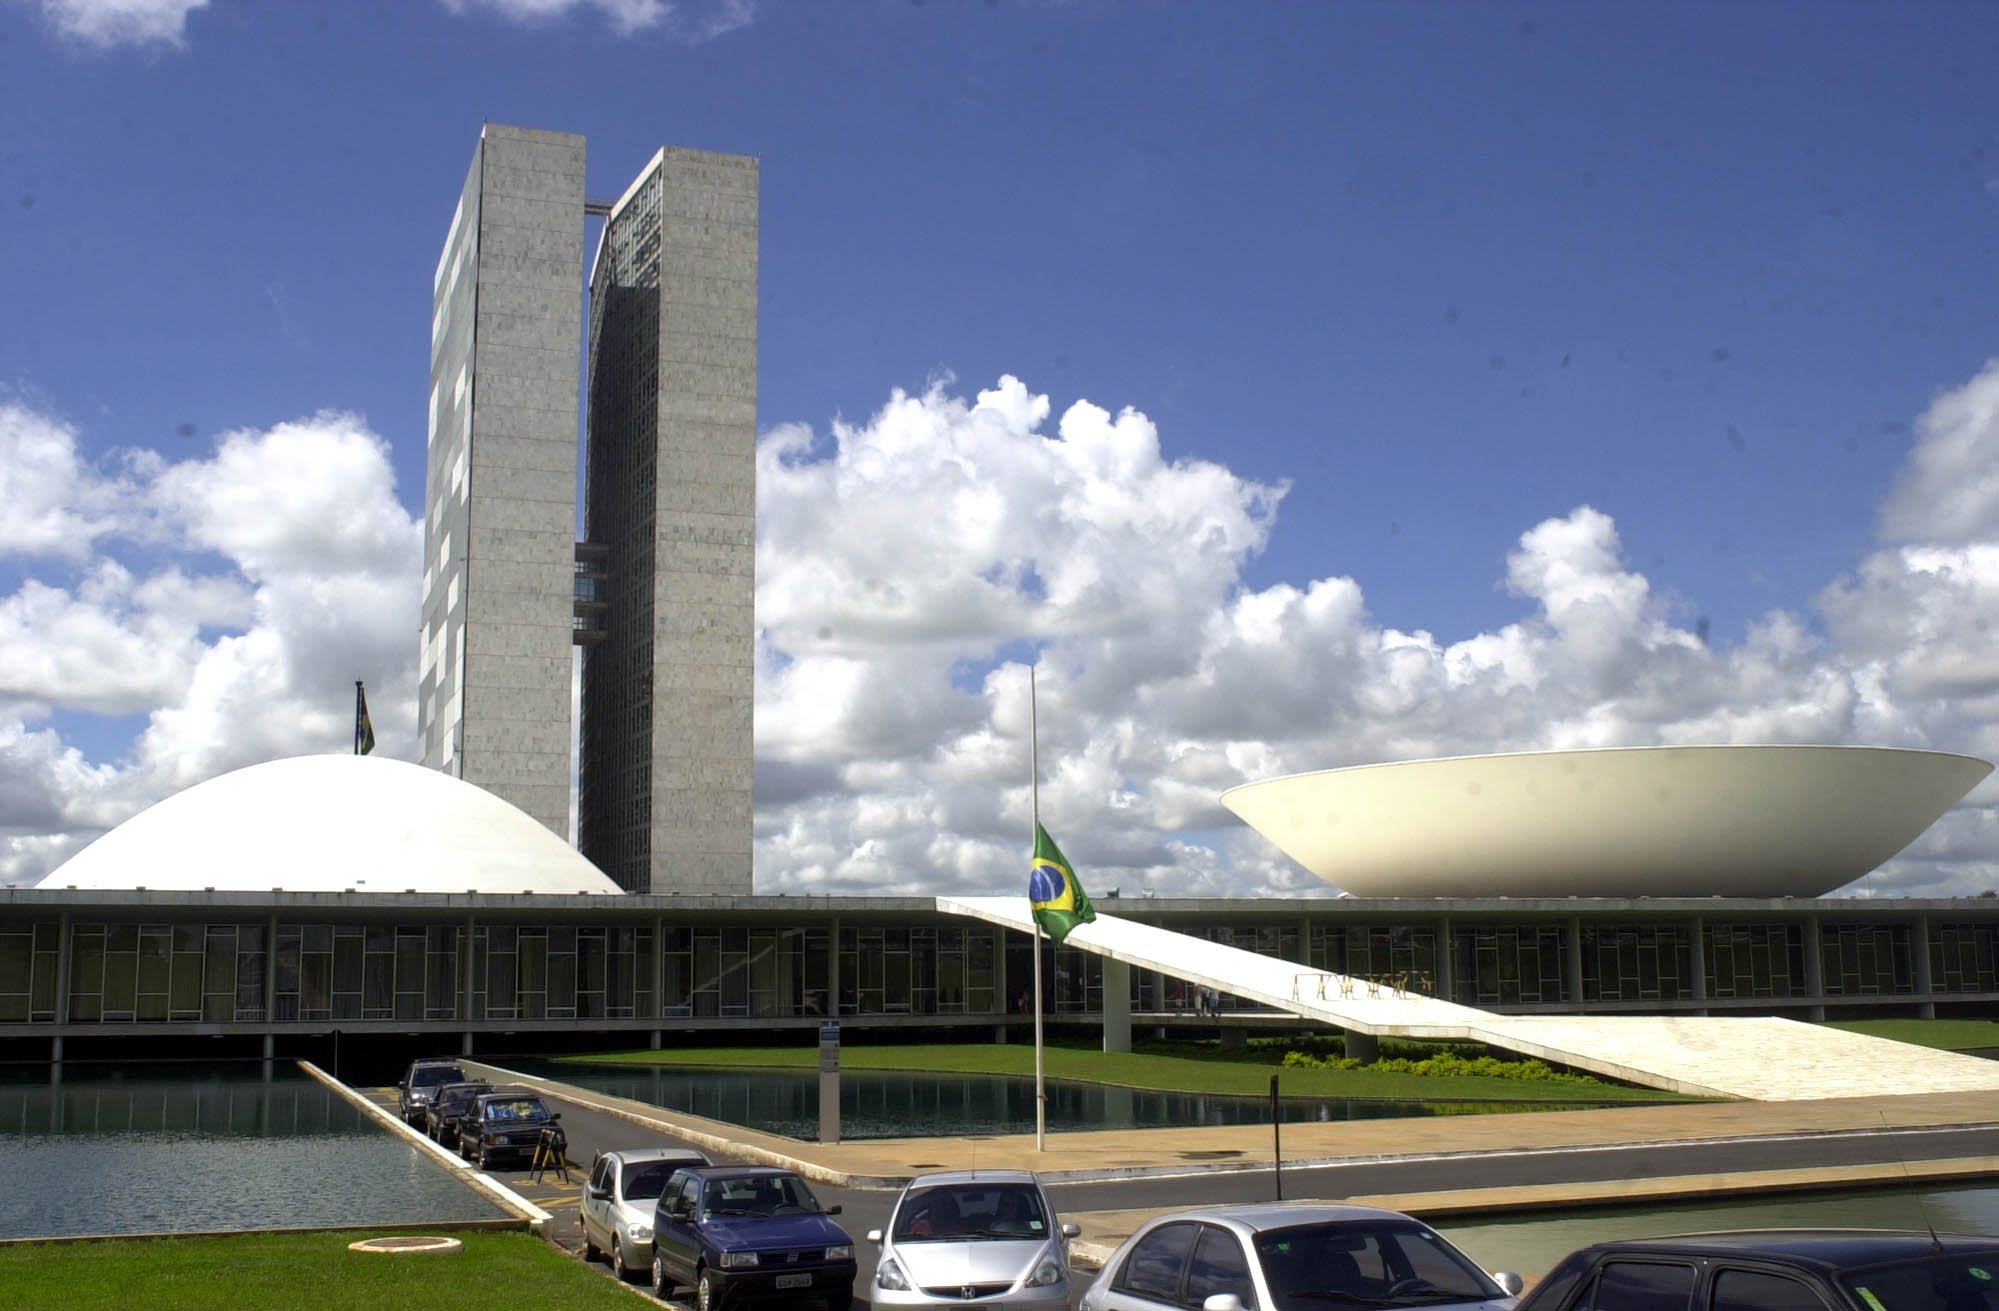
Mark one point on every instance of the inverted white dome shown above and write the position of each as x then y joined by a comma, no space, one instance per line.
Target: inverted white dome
333,824
1732,821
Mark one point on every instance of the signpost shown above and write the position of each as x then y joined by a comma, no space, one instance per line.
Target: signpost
829,1081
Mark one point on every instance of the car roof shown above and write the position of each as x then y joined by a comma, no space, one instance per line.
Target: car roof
647,1155
435,1060
944,1178
510,1092
738,1171
1259,1217
1821,1249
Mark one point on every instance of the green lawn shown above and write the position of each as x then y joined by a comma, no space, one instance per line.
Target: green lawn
1179,1067
1950,1035
286,1270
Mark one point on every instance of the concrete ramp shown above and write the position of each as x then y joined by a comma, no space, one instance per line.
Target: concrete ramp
1750,1057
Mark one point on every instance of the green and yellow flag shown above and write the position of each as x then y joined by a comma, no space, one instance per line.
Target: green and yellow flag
1059,902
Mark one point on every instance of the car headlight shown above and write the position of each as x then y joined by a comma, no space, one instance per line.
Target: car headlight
1048,1272
889,1275
840,1252
731,1260
641,1233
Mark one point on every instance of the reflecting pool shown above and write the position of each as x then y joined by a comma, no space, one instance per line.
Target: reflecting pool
907,1104
169,1150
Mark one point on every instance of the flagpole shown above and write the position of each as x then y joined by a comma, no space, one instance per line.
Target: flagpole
1034,795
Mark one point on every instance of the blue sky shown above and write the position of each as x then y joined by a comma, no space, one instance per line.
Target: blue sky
1683,281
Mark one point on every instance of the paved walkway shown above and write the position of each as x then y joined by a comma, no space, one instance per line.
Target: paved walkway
1712,1056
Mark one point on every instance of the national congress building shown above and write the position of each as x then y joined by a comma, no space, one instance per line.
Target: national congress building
443,906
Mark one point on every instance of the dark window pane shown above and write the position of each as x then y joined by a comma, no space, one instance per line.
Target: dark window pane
1753,1290
1154,1266
1643,1286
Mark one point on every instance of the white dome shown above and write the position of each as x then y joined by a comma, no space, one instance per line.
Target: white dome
1730,821
333,824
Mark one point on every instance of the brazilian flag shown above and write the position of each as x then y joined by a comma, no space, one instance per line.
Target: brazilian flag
1059,902
364,727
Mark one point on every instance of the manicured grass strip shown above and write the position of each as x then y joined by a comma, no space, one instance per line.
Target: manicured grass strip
1949,1035
1238,1074
283,1270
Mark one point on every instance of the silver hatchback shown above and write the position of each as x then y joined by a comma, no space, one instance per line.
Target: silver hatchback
1281,1257
973,1236
619,1200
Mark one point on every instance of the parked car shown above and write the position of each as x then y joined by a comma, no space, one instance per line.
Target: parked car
1779,1270
441,1113
618,1202
1282,1257
503,1124
972,1236
746,1234
421,1081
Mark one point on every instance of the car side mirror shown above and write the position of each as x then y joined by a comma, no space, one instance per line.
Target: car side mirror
874,1235
679,1210
1070,1229
832,1210
1222,1302
1512,1283
599,1194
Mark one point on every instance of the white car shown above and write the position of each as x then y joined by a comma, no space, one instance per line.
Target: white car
1284,1257
618,1202
973,1236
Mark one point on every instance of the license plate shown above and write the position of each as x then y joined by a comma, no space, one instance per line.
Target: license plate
794,1281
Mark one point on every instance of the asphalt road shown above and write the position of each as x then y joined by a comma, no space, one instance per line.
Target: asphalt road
591,1132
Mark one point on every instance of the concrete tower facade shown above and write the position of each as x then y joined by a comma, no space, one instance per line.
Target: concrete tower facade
500,505
661,594
664,789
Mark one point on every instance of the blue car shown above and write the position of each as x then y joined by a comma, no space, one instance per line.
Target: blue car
739,1234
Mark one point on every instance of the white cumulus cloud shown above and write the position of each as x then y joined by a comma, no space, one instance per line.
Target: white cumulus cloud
107,23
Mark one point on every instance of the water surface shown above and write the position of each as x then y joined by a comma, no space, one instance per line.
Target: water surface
171,1150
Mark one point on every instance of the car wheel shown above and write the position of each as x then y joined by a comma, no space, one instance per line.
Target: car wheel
662,1283
632,1273
590,1249
707,1292
485,1158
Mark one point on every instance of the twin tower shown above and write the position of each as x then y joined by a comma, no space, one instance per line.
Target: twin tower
658,594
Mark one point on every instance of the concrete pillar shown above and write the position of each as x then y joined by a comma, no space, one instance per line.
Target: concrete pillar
64,927
1814,969
1697,964
1572,963
1447,960
1117,1006
463,1010
1926,1005
1363,1047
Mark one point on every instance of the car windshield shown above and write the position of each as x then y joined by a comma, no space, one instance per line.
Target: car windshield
766,1194
1366,1264
429,1076
1938,1283
515,1108
644,1183
960,1212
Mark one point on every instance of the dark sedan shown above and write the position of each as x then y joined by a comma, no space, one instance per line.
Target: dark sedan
1778,1270
442,1114
503,1124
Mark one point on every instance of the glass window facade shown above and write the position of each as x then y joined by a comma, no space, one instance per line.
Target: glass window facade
1755,960
1867,960
1637,962
642,967
1964,957
1509,964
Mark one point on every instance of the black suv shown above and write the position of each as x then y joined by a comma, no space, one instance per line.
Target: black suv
1778,1270
504,1123
424,1077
